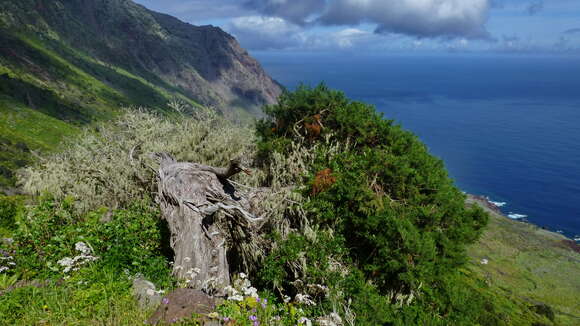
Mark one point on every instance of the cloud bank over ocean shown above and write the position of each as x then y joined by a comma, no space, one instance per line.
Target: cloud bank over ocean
535,26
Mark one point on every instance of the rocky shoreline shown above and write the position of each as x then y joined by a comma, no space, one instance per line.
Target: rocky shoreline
485,203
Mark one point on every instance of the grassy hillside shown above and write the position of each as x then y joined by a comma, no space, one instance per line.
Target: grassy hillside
48,91
67,64
361,223
529,263
201,62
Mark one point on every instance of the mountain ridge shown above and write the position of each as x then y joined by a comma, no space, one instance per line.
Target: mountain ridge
144,42
65,64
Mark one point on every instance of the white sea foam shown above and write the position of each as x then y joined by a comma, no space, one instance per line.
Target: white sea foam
498,203
514,216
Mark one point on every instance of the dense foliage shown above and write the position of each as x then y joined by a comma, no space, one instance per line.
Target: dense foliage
130,241
363,225
10,207
401,224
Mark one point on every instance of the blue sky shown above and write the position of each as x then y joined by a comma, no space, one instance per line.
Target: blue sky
386,26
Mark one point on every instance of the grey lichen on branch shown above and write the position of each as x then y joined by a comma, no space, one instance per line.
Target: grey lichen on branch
190,195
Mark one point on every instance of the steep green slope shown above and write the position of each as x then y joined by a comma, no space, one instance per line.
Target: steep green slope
69,63
363,222
530,264
204,63
46,96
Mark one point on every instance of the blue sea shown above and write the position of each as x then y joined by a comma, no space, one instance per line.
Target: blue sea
506,126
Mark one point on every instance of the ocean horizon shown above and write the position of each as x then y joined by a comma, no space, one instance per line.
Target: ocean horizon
506,126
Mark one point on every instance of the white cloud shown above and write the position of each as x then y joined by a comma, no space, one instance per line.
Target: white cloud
392,25
262,33
422,18
296,11
348,38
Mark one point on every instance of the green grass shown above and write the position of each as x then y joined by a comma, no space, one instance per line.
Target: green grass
38,130
49,90
531,265
23,129
92,297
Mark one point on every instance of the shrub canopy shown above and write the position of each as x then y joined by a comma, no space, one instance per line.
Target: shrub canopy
402,221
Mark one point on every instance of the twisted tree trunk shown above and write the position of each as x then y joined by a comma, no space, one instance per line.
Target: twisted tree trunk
189,196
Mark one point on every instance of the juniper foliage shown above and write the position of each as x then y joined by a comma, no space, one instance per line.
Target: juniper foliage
401,220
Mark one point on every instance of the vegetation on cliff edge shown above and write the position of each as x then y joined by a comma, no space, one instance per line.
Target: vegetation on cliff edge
371,228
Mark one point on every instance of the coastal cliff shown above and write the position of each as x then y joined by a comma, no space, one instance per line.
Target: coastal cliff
521,260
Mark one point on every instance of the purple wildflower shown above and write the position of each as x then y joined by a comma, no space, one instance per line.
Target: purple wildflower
253,318
165,301
226,319
256,323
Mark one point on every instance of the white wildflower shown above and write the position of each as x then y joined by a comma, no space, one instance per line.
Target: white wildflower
191,273
83,248
230,291
187,259
236,298
304,299
243,284
304,321
243,276
66,262
76,262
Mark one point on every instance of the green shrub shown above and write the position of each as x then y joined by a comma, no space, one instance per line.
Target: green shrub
132,241
545,310
10,207
401,220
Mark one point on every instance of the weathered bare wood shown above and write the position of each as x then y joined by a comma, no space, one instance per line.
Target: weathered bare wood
190,195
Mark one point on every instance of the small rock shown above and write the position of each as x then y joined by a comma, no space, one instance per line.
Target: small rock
182,303
145,293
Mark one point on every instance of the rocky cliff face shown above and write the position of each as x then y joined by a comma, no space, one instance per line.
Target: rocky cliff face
202,62
69,63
